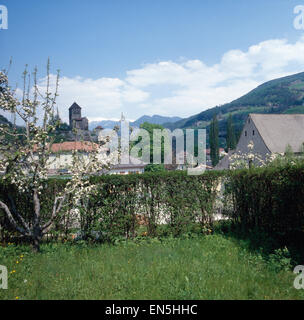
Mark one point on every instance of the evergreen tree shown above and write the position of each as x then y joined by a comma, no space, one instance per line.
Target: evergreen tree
230,137
214,141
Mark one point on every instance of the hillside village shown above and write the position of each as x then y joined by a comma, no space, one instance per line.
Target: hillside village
263,135
266,117
247,119
269,135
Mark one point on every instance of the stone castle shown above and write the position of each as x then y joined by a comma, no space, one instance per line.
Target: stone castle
75,119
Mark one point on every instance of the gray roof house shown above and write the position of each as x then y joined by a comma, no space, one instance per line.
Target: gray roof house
135,166
270,134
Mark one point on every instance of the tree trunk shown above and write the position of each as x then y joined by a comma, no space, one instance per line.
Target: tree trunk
36,245
36,239
37,231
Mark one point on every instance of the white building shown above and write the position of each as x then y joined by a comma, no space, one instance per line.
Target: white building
127,169
61,158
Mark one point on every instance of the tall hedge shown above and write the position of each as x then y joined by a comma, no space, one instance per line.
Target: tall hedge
269,199
179,201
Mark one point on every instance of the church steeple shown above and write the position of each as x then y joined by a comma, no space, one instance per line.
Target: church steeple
122,118
57,115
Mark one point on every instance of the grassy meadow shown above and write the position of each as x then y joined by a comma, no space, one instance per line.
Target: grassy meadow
203,267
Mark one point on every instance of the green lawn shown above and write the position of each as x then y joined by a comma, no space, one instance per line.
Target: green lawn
210,267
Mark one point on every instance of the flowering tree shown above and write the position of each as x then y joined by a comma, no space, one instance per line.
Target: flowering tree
238,160
241,160
25,160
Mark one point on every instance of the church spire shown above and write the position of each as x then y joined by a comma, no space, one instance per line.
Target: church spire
122,118
57,117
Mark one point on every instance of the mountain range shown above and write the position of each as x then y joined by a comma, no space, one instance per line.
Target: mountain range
4,121
156,119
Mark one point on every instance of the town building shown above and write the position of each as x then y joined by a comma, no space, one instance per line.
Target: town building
127,168
61,158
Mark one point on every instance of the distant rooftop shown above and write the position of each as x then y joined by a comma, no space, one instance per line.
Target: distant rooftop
74,145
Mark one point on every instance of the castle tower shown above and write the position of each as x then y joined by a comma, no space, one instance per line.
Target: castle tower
74,114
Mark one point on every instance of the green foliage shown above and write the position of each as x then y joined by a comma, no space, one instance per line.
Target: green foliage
230,137
61,132
280,260
150,127
155,168
288,151
214,141
295,110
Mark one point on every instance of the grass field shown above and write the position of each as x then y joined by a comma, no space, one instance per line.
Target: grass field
209,267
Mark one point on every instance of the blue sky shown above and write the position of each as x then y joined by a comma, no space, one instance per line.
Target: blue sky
169,57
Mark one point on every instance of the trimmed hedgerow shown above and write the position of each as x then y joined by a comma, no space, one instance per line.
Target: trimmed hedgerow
268,199
179,201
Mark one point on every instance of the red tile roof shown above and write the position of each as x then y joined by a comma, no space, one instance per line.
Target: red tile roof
74,145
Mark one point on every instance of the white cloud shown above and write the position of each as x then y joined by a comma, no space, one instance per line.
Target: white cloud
102,98
198,86
181,88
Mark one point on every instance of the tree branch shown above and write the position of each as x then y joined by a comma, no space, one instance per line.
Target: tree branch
55,212
15,212
12,220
